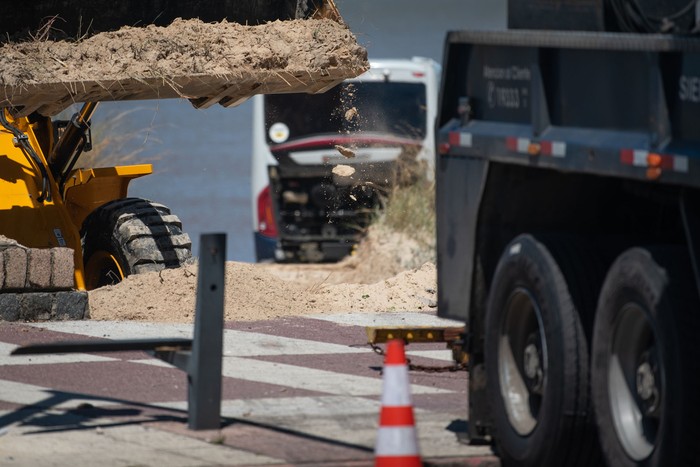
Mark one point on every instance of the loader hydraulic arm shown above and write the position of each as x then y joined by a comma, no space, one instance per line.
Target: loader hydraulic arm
71,144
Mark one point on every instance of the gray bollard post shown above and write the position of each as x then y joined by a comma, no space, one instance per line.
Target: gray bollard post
204,372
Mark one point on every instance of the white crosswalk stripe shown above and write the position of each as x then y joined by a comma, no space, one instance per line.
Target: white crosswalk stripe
387,319
236,343
30,394
298,377
277,407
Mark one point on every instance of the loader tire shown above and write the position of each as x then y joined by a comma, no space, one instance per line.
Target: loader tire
537,361
645,382
131,236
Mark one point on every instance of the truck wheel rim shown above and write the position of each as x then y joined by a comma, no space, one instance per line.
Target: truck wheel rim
634,383
522,361
102,269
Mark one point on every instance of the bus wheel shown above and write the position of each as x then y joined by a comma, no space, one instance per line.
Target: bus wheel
645,381
131,236
537,362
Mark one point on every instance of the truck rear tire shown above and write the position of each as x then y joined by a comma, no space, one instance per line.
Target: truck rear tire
645,383
537,363
131,236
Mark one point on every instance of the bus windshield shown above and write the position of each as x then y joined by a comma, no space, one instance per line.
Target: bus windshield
381,107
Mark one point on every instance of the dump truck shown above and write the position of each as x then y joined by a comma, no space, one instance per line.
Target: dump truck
568,226
57,54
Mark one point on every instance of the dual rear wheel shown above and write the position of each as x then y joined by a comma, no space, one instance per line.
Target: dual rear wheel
553,371
645,381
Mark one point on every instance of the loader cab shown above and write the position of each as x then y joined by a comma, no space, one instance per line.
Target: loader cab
302,211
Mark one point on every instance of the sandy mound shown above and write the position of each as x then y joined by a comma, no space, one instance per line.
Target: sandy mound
255,291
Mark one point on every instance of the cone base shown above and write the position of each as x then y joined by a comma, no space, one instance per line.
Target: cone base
398,461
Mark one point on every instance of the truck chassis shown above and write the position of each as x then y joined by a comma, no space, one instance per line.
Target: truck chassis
567,233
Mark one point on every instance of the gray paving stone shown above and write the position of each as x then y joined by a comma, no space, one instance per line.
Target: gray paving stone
70,305
9,306
36,306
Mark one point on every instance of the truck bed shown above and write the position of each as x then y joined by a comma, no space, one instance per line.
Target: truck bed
586,102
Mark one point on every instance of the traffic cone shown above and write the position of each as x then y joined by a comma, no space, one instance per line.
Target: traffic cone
397,441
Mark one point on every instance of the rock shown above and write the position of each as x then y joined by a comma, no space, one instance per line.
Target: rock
343,170
346,152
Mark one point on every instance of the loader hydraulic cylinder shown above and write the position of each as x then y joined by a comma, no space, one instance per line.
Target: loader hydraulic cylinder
71,143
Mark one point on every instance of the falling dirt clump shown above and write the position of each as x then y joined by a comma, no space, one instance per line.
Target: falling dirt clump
351,114
346,152
343,170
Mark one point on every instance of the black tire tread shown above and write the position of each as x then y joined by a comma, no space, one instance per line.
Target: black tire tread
681,297
577,444
146,235
583,269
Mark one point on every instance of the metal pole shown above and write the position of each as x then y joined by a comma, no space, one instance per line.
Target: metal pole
204,372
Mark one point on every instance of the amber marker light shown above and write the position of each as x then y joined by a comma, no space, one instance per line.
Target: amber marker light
654,166
534,149
654,160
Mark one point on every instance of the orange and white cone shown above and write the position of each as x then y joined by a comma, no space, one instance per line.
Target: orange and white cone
397,441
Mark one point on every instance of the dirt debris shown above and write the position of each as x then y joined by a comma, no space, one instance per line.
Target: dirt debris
345,152
351,114
343,170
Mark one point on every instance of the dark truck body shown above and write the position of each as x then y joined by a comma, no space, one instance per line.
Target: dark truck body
565,133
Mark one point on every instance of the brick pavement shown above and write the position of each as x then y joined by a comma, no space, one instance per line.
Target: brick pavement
296,391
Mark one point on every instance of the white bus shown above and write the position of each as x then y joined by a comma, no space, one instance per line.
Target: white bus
302,211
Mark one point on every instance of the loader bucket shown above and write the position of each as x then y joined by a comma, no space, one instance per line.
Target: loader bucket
58,53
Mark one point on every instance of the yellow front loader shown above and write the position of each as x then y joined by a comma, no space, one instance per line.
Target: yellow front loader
47,201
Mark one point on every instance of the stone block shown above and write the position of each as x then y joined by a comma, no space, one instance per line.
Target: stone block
70,305
62,268
9,306
36,306
15,260
39,268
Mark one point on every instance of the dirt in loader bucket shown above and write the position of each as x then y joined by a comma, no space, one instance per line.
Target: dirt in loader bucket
207,62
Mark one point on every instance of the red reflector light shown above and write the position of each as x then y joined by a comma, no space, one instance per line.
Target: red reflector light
418,74
444,148
266,216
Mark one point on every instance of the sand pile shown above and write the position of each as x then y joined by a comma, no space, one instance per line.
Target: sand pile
255,292
205,62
